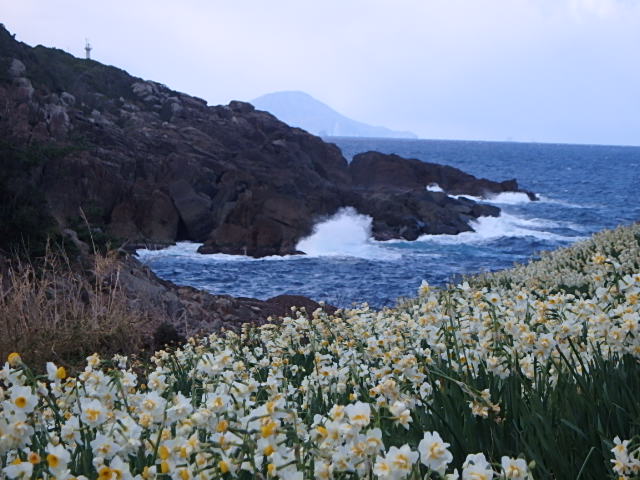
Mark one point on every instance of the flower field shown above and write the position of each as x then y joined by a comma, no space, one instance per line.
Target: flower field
528,373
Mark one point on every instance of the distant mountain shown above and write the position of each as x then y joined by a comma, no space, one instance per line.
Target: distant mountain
300,109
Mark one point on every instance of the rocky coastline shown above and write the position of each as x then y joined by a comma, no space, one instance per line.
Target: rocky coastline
90,147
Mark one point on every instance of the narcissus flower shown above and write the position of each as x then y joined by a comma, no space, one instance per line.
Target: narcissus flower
22,399
57,458
359,413
434,453
514,468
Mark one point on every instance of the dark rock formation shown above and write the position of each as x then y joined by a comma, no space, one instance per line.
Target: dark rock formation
282,305
392,190
140,162
381,171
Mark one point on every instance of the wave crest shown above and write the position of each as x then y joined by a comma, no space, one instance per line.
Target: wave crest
347,233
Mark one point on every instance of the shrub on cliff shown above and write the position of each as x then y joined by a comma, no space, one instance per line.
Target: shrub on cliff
25,222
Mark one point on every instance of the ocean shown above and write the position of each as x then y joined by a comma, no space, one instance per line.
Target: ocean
582,189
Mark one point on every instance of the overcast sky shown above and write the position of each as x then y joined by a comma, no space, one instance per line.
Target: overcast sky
526,70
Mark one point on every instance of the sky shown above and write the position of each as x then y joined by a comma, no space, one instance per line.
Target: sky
565,71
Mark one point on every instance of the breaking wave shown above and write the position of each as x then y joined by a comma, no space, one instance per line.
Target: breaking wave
345,234
504,198
488,229
509,198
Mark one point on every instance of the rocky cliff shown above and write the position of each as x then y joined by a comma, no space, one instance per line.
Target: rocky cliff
149,165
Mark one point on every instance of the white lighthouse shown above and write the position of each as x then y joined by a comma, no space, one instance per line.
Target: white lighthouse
87,49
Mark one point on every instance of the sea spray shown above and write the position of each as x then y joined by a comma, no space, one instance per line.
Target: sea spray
345,234
504,198
509,198
488,229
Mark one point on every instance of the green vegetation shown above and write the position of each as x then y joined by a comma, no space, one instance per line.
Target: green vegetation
528,373
25,223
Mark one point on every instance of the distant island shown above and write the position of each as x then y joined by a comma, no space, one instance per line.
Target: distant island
299,109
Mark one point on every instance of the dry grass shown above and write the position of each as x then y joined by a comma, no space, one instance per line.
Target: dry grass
62,313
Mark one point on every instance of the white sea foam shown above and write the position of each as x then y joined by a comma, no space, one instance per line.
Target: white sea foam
469,197
504,198
492,228
189,250
509,198
434,187
180,249
345,234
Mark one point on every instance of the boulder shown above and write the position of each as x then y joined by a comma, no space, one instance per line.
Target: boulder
195,209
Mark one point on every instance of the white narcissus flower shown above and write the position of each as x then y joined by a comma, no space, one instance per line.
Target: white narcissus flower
401,414
383,468
22,399
57,459
54,373
104,446
93,412
359,413
514,468
493,298
180,409
622,463
476,467
396,464
433,452
374,441
153,404
323,470
18,469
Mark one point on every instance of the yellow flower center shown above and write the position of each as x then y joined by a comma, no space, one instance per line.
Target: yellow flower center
222,426
223,466
53,460
401,461
513,472
268,429
92,414
436,450
164,452
268,450
21,402
104,473
61,373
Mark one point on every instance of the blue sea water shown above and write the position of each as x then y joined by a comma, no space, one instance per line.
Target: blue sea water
582,189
